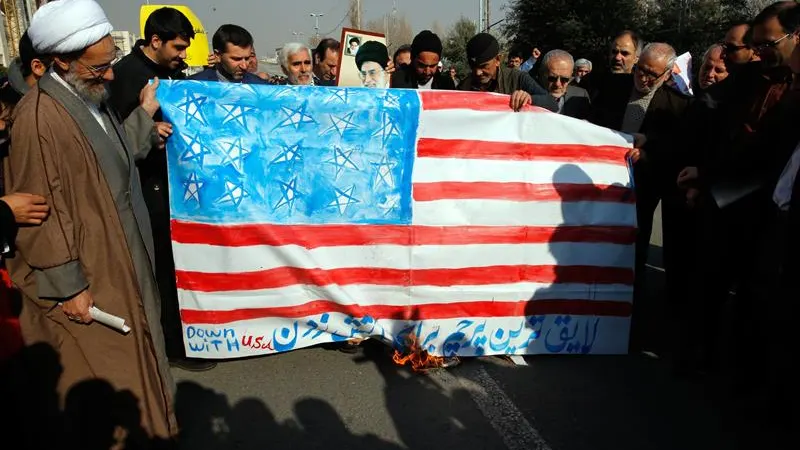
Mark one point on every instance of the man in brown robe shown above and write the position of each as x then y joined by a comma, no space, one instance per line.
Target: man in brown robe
96,247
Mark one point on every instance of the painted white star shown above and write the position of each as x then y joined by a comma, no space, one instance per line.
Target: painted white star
196,151
344,198
391,100
192,185
295,117
388,129
289,153
384,171
236,154
234,193
341,124
342,160
236,113
340,95
191,107
289,194
392,202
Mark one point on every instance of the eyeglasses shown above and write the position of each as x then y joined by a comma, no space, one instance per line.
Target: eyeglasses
649,76
372,73
553,79
98,71
728,47
773,44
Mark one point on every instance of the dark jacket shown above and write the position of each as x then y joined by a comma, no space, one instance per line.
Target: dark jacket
405,77
211,75
664,125
509,81
576,103
131,75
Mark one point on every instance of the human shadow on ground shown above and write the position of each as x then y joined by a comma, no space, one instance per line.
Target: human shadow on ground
96,416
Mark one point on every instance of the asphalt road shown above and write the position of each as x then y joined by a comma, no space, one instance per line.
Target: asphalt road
315,399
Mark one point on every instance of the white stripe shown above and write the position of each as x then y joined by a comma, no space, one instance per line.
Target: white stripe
508,213
432,170
370,295
209,258
505,127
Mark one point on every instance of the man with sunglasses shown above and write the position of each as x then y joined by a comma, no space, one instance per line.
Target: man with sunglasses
423,72
556,75
96,247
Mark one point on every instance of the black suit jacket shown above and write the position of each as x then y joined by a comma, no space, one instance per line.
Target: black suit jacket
576,103
406,78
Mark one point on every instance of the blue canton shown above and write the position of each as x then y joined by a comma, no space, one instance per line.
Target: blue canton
289,155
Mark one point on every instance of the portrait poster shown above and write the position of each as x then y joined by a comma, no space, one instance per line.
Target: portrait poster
351,41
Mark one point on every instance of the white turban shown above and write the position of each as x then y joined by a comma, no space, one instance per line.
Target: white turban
66,26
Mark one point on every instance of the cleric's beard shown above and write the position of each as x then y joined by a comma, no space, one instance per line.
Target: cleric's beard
90,92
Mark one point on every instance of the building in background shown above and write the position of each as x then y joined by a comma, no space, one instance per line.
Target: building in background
124,40
17,16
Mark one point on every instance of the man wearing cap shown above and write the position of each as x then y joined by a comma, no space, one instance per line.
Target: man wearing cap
96,247
371,60
490,75
423,72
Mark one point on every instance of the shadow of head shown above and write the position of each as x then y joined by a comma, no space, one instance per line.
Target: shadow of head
97,417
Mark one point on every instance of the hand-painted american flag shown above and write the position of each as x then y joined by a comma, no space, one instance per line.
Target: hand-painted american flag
303,215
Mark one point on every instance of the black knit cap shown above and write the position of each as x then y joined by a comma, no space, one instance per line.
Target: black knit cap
481,48
372,51
426,41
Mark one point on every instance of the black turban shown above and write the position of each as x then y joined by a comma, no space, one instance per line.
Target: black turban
481,48
426,41
372,51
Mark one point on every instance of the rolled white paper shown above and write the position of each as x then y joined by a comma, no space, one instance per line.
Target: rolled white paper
110,320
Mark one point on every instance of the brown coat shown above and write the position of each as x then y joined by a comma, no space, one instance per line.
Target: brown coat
97,237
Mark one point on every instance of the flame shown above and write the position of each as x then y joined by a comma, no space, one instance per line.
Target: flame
419,358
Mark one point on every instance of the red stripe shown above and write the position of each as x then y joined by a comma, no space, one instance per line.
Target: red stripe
289,276
416,312
315,236
521,192
477,101
519,151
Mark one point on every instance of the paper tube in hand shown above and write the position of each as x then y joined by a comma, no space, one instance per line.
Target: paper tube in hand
110,320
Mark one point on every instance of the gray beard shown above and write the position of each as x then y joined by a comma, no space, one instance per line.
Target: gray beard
89,92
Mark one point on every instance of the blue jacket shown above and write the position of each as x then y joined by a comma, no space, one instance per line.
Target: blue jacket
211,75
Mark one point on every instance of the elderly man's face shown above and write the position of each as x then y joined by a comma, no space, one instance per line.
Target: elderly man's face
772,44
485,73
235,60
582,71
650,73
372,75
557,75
713,69
623,55
92,70
426,66
298,69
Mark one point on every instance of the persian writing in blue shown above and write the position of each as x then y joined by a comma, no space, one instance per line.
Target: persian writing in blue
288,154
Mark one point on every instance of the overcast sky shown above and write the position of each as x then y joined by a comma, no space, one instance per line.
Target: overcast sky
272,21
